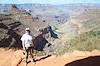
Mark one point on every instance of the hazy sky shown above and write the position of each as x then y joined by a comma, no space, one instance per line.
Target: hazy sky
48,1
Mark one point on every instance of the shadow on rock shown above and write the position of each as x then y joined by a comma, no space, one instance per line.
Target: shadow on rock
12,39
43,58
90,61
54,35
40,42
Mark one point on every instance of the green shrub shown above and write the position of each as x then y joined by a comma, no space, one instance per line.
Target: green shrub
86,42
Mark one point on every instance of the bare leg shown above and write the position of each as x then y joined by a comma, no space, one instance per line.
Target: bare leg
32,55
26,56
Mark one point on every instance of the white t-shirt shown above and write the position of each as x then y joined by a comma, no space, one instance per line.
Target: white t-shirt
27,40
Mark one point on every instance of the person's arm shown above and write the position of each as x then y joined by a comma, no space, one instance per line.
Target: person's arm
23,44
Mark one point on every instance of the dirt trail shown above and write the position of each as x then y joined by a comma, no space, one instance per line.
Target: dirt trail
14,58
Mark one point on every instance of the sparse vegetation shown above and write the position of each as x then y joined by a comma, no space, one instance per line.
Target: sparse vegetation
87,41
84,42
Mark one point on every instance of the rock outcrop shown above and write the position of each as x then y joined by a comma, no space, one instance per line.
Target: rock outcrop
9,35
12,27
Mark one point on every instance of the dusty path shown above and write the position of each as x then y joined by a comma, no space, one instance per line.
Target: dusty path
13,58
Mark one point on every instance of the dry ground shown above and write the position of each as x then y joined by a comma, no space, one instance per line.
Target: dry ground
15,58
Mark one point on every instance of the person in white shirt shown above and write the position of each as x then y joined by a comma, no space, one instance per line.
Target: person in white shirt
28,46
